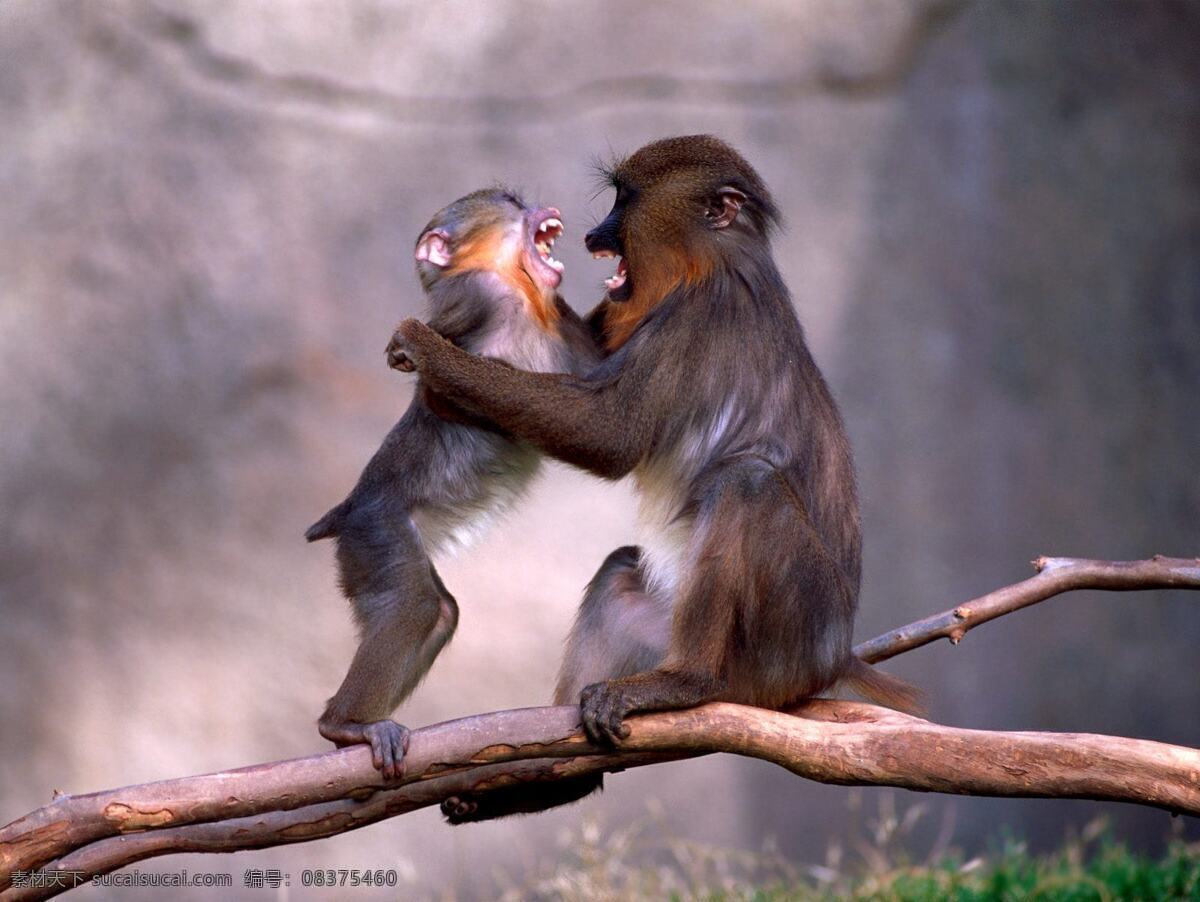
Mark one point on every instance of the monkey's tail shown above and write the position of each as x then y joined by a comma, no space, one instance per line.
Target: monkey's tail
883,688
328,526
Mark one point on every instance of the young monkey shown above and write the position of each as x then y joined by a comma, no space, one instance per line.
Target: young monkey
439,477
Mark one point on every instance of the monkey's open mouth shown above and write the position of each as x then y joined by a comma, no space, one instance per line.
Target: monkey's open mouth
617,279
546,229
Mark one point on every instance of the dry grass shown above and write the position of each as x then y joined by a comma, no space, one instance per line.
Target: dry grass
644,861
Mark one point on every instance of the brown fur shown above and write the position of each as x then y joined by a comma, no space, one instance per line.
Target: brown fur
746,585
660,277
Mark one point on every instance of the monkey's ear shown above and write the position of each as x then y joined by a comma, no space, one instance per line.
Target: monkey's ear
434,247
723,208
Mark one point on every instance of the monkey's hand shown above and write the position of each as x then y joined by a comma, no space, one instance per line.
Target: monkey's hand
397,356
398,360
388,741
411,344
604,706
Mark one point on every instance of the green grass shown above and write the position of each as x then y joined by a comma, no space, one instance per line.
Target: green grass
1110,872
646,862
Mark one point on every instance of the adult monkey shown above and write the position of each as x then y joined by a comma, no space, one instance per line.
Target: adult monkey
746,582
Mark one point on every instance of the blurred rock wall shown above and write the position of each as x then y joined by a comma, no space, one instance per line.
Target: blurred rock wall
994,242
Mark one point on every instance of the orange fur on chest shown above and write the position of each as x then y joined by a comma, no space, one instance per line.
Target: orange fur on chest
487,254
650,288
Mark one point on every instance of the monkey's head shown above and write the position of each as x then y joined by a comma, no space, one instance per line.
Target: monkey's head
681,204
493,232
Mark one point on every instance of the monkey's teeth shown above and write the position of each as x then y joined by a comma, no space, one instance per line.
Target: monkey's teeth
547,233
599,255
617,279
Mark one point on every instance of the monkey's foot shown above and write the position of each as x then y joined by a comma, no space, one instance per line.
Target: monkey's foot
461,810
604,706
388,741
470,808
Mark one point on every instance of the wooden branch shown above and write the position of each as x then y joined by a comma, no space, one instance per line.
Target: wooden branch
277,828
839,742
73,821
1055,576
832,742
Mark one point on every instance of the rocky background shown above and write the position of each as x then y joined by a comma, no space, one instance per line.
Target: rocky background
208,206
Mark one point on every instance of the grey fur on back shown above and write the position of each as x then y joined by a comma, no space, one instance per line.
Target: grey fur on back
449,476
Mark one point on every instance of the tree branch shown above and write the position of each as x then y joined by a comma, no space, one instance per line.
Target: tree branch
73,821
1055,576
827,741
277,828
847,743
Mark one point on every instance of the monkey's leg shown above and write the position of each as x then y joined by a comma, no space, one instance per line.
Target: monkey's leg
605,705
619,630
406,617
683,674
763,615
728,593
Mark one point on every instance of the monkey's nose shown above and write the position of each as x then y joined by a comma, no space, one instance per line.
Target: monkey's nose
603,237
593,240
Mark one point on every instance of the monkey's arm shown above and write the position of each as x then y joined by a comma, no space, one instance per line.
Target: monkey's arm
602,428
